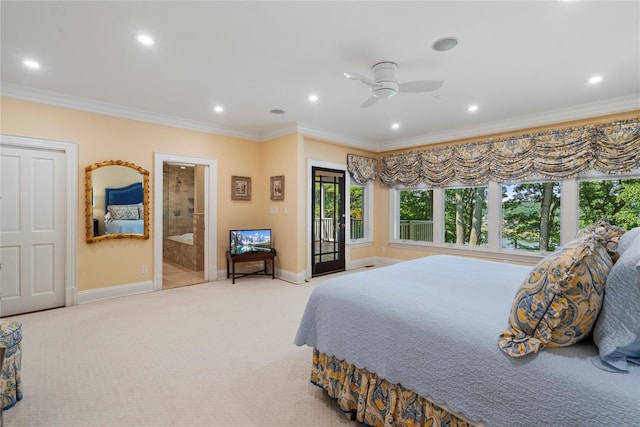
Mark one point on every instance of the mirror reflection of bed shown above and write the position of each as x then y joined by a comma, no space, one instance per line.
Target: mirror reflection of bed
182,225
117,200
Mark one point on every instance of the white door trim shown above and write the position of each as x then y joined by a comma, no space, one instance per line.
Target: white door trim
210,219
70,150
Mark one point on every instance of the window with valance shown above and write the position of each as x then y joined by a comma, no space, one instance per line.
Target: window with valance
361,168
612,148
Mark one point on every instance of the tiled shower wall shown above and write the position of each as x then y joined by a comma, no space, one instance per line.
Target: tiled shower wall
178,200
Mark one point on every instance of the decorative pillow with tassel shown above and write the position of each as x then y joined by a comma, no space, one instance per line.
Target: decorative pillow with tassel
558,303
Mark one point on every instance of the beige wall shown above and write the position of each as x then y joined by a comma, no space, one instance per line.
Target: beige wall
327,151
279,157
101,138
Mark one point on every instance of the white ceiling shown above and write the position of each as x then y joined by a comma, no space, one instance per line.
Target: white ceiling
523,64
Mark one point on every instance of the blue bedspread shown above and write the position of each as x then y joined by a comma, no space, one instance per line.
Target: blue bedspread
119,226
432,325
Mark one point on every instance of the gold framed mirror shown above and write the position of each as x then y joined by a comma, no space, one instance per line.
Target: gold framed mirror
116,201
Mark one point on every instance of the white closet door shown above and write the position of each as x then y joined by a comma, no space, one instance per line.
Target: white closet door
32,229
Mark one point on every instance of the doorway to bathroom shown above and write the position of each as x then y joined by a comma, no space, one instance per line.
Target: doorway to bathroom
182,224
184,252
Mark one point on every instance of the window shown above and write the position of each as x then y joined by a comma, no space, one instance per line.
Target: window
531,216
357,195
360,224
618,199
465,216
519,221
416,215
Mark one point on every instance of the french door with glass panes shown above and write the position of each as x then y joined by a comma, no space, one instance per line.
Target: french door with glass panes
328,219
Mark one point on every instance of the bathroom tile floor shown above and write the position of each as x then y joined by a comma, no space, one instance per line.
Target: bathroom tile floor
174,276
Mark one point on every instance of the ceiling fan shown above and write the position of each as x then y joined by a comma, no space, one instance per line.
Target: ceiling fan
384,84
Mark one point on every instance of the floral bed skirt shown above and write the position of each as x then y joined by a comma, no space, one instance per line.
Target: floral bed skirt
10,382
373,400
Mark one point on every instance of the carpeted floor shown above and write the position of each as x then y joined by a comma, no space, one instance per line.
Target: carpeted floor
213,354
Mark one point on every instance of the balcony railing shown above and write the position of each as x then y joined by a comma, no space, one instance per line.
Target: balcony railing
416,230
357,229
324,229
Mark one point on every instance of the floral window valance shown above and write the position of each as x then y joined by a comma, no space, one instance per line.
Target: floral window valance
612,148
362,169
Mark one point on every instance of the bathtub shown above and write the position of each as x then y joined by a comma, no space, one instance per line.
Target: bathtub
181,250
186,238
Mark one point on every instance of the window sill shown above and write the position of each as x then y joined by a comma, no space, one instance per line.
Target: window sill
359,243
479,252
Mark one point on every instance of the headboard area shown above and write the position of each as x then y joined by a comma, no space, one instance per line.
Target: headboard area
130,195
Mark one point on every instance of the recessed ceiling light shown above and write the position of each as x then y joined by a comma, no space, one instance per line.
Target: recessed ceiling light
218,109
444,44
472,108
313,98
395,126
145,39
30,63
277,111
595,79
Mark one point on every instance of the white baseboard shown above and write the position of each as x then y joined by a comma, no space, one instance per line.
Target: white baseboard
375,261
382,261
288,276
118,291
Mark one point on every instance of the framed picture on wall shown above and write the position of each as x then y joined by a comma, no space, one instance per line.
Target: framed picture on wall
240,188
277,187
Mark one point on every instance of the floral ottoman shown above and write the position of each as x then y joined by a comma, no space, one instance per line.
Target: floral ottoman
11,338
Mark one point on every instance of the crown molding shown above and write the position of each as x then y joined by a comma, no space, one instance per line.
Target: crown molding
616,105
24,93
342,139
583,111
285,130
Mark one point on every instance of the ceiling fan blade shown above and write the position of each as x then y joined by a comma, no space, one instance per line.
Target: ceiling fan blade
369,102
420,86
356,76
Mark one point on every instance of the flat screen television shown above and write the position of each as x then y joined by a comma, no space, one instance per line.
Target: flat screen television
249,240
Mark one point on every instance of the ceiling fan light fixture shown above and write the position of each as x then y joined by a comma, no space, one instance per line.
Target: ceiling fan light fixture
445,44
385,92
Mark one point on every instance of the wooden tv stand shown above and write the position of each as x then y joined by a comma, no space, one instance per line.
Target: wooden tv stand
251,257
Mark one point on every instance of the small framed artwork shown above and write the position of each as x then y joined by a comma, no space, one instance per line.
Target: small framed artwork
277,187
240,188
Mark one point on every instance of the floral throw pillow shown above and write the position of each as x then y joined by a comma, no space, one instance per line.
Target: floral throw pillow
605,233
558,303
123,212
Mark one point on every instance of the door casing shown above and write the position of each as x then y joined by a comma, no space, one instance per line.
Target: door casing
211,217
71,206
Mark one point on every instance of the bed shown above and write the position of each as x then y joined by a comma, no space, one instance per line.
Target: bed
415,343
124,209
